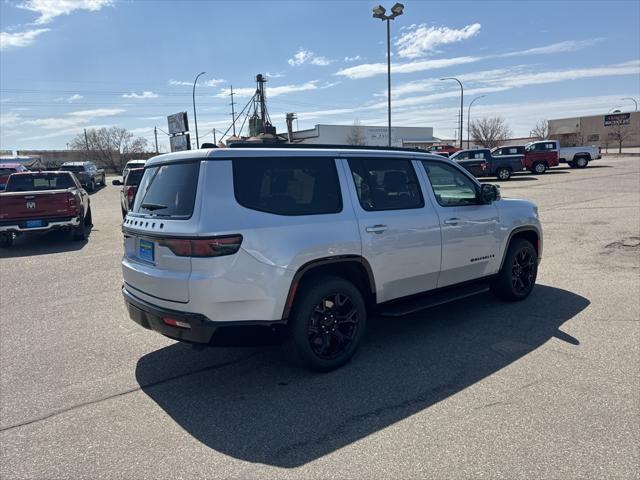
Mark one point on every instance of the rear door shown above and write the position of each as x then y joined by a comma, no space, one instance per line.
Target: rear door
470,230
400,231
163,209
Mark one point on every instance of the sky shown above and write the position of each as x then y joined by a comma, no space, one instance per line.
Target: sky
66,65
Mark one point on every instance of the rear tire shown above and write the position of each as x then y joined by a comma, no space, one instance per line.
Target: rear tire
92,185
517,277
572,164
539,168
326,324
80,232
6,240
503,173
581,162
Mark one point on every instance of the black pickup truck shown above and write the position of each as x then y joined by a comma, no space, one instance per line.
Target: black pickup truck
481,163
88,174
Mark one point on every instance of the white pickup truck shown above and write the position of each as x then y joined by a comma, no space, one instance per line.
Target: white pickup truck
578,157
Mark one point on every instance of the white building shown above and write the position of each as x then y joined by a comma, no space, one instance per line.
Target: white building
412,137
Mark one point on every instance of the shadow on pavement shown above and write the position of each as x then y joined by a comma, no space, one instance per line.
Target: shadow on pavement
251,405
29,244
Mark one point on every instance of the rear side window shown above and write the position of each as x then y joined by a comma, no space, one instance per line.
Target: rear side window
168,190
72,168
288,186
386,184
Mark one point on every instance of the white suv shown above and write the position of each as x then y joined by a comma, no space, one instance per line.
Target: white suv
311,241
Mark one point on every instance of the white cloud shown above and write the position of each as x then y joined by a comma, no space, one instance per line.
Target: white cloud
275,91
98,112
9,119
19,39
50,9
560,47
307,56
275,75
367,70
145,94
214,82
70,99
352,59
420,40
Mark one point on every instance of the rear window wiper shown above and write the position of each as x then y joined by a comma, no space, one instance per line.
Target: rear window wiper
153,206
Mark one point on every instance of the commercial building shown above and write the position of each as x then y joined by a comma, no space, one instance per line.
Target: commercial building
605,130
368,135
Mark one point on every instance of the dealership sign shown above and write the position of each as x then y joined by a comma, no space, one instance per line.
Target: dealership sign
617,119
178,128
180,143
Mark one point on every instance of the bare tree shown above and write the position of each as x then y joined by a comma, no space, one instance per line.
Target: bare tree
541,130
619,133
356,136
110,147
490,132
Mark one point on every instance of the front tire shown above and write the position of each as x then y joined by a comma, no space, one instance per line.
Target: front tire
503,173
326,324
517,277
539,168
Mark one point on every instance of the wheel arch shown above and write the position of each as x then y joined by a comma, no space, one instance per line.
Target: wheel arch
354,268
528,232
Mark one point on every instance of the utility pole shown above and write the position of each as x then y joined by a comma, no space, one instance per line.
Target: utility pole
155,132
233,114
215,142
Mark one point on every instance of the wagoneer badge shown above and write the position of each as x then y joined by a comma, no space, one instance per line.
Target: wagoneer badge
31,204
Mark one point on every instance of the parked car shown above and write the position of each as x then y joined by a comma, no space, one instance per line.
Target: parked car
481,163
540,156
313,240
132,164
88,173
579,157
444,149
43,201
129,189
508,150
6,169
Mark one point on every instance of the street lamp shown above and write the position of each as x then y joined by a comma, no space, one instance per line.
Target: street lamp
195,116
469,117
633,100
614,110
379,12
461,104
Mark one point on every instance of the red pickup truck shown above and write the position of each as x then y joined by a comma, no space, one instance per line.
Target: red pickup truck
43,201
538,156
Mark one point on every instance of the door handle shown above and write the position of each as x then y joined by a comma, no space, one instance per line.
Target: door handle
376,229
451,221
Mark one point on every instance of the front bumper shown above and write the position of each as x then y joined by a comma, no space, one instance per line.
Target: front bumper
53,224
200,330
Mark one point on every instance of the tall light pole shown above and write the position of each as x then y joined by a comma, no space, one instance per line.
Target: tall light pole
461,104
379,12
195,116
633,100
469,117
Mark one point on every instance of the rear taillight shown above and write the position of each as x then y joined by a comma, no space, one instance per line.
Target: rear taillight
175,323
131,192
72,201
203,247
483,165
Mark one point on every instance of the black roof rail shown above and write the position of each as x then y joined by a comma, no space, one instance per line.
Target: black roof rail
324,146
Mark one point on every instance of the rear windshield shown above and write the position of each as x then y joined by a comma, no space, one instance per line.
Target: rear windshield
133,177
72,168
168,190
287,186
7,171
41,181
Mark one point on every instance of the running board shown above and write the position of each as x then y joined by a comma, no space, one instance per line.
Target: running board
398,308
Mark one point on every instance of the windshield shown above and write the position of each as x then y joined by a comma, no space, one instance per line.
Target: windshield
133,177
168,191
40,181
72,168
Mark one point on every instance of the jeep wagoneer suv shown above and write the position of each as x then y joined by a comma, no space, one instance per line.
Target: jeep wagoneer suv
313,240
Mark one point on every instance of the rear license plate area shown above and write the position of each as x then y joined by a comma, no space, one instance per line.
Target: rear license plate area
146,251
34,223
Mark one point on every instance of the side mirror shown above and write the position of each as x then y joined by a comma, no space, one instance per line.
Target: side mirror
116,182
489,193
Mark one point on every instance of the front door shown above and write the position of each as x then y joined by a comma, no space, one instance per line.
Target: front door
470,229
399,227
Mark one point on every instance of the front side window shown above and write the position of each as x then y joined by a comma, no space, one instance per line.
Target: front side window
168,190
386,184
450,186
288,186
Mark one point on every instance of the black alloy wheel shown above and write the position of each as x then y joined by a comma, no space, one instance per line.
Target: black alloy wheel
523,270
517,277
333,326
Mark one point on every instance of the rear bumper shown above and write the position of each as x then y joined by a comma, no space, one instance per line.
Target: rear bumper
200,330
53,224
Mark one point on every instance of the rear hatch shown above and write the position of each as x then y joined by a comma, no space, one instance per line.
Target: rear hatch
40,205
163,210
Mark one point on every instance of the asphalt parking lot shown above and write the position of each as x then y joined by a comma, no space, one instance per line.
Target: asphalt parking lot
545,388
